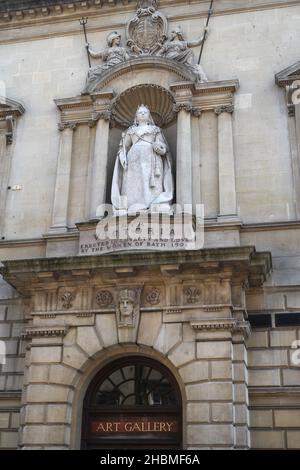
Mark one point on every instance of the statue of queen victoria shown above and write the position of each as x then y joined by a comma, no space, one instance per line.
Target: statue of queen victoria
142,178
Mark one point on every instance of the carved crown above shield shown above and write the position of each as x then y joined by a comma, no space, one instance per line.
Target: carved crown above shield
147,31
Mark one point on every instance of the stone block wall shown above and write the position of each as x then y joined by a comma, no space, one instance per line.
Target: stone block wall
12,372
274,382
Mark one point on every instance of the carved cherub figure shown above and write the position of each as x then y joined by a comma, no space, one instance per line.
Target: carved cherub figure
178,49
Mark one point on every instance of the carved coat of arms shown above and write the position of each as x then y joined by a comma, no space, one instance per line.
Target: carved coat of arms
147,31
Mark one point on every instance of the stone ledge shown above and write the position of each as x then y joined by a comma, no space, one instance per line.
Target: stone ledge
26,275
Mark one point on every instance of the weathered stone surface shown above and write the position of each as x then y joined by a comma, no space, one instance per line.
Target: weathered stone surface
217,435
267,358
287,418
88,340
291,376
61,374
46,354
211,391
214,350
241,414
267,439
4,420
221,370
55,434
107,328
15,420
282,337
38,373
197,412
47,393
74,357
260,378
222,412
57,414
150,324
242,437
258,339
183,353
261,418
5,330
240,393
194,372
9,440
35,413
169,335
293,439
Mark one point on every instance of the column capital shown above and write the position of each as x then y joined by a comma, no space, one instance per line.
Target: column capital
7,128
188,108
67,125
224,109
292,96
105,114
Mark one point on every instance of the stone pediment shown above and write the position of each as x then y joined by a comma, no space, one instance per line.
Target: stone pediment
10,107
9,111
148,63
288,75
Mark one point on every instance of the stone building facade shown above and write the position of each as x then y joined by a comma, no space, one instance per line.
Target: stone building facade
212,335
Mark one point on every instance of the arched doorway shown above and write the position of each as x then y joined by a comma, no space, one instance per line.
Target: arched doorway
133,402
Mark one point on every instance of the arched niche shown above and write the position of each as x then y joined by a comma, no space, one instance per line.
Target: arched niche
161,103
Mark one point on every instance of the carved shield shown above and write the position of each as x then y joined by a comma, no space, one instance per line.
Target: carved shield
146,32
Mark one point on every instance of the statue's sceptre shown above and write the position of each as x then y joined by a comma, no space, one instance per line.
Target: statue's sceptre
210,12
83,22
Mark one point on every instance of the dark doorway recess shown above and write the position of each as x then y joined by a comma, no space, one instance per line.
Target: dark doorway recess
132,403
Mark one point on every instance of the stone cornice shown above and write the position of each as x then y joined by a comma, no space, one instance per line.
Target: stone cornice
288,76
10,107
41,11
25,275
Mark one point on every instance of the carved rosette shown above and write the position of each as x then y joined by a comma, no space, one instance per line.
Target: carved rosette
104,298
153,296
147,31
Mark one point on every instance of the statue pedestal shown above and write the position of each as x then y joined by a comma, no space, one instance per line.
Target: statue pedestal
149,232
